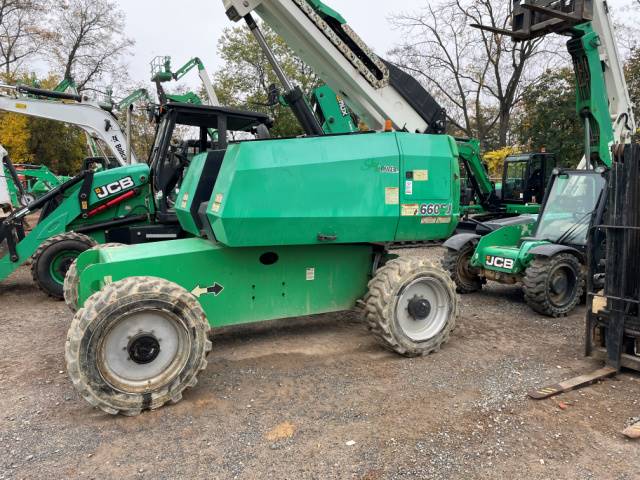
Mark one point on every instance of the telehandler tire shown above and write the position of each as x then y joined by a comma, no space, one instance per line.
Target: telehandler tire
137,344
71,279
53,258
553,286
411,306
456,262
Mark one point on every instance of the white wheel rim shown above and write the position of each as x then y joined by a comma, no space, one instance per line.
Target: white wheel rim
143,351
431,290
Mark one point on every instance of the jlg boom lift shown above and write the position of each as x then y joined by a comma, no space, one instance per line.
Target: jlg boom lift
281,228
549,256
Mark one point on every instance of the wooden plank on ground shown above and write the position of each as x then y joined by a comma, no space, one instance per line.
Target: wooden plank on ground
572,383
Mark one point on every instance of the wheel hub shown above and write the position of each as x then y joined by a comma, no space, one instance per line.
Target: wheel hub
422,308
419,308
559,283
143,348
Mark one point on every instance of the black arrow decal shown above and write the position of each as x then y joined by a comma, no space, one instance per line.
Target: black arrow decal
216,289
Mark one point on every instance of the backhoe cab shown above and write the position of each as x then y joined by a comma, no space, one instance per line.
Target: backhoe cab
125,205
525,177
521,190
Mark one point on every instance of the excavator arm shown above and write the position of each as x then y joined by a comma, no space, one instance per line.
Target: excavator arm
68,108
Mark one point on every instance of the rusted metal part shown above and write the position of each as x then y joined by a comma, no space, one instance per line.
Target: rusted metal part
572,383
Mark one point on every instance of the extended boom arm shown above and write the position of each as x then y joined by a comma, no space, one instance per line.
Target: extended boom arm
376,90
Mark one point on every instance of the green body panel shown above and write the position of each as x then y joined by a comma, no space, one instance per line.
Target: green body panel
186,195
304,280
333,111
527,208
345,188
505,243
326,11
67,216
430,187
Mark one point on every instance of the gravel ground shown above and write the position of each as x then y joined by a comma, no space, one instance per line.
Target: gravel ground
317,398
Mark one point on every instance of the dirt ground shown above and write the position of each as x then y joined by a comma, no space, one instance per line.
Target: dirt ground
317,398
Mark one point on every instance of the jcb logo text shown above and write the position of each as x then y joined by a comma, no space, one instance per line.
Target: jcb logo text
499,262
114,187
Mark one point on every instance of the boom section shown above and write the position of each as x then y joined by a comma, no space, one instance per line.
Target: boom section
97,122
375,90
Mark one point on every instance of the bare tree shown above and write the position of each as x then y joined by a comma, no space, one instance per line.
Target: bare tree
90,40
478,76
22,34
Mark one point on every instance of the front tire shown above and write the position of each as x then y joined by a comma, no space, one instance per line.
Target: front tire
72,280
136,345
411,306
458,264
53,258
553,286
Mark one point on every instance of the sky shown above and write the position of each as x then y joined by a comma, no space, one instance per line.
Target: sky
191,28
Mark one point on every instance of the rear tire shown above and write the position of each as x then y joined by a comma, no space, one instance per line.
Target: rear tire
72,279
53,258
457,263
137,344
553,286
411,306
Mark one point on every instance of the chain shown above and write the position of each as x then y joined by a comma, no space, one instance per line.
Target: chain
345,50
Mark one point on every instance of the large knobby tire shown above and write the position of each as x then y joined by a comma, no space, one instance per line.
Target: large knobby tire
72,279
553,286
53,258
136,345
457,263
411,306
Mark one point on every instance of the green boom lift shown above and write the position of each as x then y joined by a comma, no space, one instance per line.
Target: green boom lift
161,72
281,228
548,256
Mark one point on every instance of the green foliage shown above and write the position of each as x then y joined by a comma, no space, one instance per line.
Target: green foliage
14,136
246,75
56,145
549,119
632,74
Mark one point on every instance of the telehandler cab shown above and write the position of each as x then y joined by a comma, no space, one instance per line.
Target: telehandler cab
548,256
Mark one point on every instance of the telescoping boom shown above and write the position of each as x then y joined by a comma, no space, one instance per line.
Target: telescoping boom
375,89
